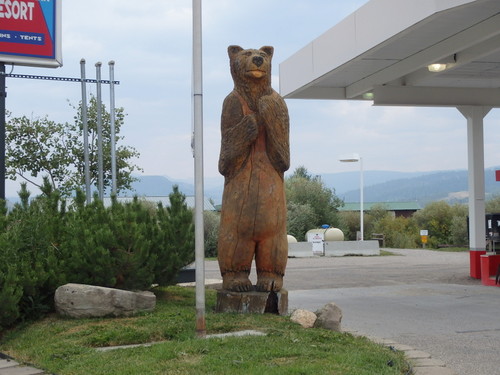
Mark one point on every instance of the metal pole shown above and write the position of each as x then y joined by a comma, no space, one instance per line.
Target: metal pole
112,125
85,132
100,172
361,198
3,94
198,169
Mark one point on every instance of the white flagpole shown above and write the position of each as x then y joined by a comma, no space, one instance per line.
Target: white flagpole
198,169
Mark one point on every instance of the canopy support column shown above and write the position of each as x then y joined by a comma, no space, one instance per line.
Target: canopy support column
475,154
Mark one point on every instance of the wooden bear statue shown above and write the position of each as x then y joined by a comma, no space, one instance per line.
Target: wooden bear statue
254,156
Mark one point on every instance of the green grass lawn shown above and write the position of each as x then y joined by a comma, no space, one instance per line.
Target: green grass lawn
68,346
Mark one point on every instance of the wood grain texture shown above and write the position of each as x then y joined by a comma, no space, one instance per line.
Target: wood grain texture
254,156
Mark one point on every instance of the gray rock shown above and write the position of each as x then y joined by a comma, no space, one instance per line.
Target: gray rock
304,317
88,301
329,317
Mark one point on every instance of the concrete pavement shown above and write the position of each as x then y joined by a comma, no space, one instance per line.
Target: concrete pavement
454,323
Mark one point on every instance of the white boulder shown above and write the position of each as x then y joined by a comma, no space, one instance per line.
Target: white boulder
88,301
303,317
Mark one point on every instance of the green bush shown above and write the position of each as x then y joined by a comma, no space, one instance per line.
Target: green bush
10,294
44,245
88,244
300,219
30,259
174,240
211,222
447,224
399,232
310,203
349,224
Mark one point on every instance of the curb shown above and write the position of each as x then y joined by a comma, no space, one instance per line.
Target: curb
9,366
421,362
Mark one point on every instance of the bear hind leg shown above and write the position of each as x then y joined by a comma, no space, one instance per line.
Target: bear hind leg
235,262
269,281
271,258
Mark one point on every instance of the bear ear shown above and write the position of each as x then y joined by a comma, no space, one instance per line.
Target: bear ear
268,49
233,50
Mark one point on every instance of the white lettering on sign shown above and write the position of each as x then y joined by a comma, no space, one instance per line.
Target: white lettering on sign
17,9
31,38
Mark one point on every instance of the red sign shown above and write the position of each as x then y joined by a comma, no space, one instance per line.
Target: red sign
497,175
29,32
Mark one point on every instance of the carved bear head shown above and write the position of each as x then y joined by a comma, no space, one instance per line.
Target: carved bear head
251,66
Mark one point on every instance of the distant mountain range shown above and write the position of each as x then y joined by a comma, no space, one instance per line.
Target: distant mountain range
451,186
379,186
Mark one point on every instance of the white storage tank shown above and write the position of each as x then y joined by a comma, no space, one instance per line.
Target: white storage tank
329,234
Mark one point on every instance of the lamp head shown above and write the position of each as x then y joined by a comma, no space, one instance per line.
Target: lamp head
351,158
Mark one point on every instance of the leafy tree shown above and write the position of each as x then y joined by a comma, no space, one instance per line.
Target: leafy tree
299,219
370,219
446,224
211,224
493,204
400,232
350,221
304,190
41,147
378,212
349,224
302,172
124,154
459,231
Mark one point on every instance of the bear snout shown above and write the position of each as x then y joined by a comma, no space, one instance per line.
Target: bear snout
258,60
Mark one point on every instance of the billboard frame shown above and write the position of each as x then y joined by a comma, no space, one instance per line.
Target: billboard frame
54,61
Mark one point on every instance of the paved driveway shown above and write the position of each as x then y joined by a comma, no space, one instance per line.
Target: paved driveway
421,298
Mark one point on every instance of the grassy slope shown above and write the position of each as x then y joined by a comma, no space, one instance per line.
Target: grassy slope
66,346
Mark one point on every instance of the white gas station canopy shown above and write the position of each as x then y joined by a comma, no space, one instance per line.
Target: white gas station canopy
382,52
412,53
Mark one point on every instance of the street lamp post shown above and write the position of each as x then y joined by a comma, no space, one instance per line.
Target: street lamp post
354,158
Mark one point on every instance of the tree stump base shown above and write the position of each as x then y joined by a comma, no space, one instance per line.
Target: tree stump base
252,302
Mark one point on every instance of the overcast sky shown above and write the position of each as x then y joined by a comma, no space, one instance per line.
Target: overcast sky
151,43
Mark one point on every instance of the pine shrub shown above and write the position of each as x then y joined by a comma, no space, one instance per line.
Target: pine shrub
30,259
174,243
44,245
87,243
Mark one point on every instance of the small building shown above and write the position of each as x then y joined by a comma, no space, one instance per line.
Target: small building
397,209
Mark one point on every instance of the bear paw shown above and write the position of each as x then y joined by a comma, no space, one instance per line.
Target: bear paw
250,127
237,283
269,282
